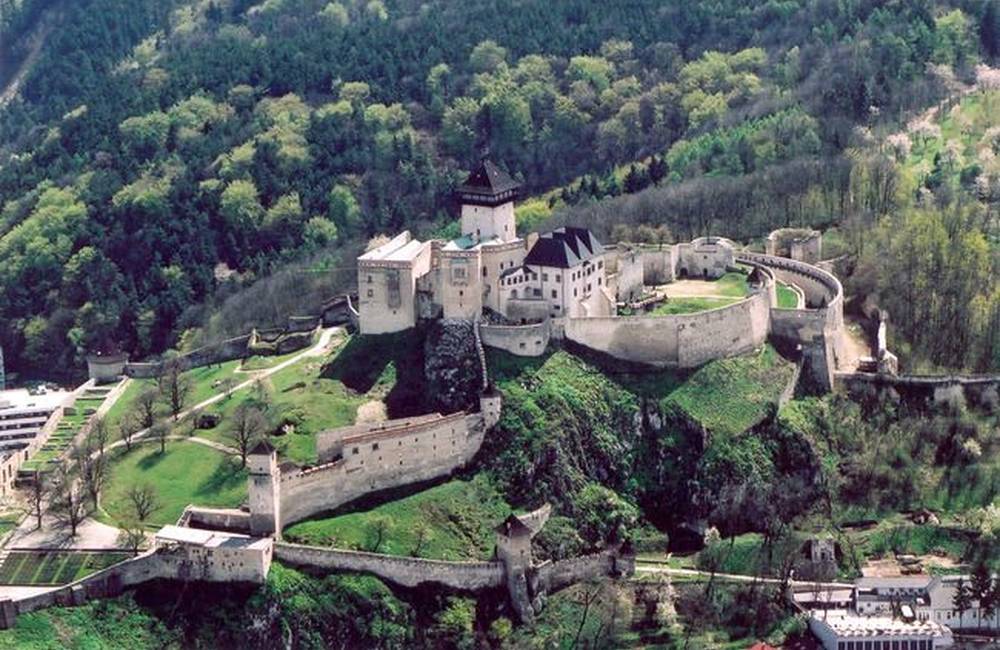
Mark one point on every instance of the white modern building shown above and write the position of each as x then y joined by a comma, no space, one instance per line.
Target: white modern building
23,413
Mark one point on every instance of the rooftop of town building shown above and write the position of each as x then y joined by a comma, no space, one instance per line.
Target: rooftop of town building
21,399
564,248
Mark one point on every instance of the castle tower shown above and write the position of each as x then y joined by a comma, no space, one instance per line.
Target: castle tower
487,197
265,490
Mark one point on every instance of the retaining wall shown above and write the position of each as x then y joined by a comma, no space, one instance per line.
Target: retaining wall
521,340
981,391
408,572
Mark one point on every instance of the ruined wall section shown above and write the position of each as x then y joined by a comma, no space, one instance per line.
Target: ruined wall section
405,571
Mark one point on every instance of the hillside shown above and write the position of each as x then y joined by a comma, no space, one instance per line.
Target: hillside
200,146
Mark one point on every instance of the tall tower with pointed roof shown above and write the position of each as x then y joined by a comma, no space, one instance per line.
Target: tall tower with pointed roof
487,197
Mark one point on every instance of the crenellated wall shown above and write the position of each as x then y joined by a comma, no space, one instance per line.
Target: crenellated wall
405,571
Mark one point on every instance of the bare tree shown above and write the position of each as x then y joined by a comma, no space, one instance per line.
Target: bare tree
131,536
92,470
422,532
175,386
248,425
127,428
37,495
378,527
226,386
67,504
160,432
146,404
101,434
144,501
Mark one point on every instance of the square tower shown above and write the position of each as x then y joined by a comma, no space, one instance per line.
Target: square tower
264,489
487,197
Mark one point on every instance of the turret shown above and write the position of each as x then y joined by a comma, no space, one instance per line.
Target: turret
487,197
264,489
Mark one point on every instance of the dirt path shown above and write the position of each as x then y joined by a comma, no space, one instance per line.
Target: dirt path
651,568
855,346
46,25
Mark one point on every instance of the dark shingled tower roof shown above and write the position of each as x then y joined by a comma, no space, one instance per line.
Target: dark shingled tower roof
488,185
564,248
262,448
513,527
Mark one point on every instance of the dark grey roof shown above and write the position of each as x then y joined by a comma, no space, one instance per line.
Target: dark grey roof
262,448
564,248
512,526
488,179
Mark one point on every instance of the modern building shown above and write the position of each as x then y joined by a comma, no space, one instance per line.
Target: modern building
896,613
23,413
488,268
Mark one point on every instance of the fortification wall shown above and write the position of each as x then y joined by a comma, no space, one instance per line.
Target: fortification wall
683,340
522,340
553,576
228,519
405,571
381,462
822,289
624,267
980,391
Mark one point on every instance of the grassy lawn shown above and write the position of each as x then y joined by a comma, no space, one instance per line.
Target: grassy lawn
260,362
787,298
458,518
53,567
186,473
690,305
730,395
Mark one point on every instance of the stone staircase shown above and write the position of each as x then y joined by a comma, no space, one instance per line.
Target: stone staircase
482,355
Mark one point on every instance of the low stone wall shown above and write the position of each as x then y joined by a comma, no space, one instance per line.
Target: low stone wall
405,571
227,519
982,391
521,340
677,340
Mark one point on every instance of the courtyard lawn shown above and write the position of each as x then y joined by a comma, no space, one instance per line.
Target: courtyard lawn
787,298
187,473
458,518
54,567
728,396
690,305
732,284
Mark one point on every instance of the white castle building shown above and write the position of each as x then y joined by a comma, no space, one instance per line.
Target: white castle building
559,274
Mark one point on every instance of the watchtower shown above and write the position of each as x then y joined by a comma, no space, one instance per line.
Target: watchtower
487,197
265,490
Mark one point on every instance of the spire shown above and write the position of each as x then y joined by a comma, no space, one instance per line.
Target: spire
488,185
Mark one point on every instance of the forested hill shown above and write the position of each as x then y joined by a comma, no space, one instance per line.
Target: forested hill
165,150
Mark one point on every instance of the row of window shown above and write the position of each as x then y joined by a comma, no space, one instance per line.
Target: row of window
916,644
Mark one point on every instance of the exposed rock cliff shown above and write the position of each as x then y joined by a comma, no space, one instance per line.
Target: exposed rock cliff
451,365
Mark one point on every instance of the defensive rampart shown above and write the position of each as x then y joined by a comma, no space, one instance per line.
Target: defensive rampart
677,340
553,576
375,462
405,571
522,340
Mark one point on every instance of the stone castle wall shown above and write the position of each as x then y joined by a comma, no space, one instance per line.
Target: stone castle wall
383,461
677,340
553,576
982,391
405,571
522,340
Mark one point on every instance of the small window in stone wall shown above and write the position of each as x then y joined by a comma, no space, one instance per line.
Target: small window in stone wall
558,278
371,294
374,446
355,451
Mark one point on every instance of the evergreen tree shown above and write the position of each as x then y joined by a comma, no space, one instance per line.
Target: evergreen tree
989,29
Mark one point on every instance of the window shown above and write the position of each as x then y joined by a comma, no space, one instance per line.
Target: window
545,277
557,307
484,271
554,294
598,281
371,294
355,451
574,292
374,446
600,265
460,293
536,292
558,278
369,279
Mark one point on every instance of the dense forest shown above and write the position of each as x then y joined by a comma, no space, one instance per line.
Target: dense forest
164,155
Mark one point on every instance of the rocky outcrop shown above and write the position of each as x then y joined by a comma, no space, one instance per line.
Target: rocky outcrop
451,365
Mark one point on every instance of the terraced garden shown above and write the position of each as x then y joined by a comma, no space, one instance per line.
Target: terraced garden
40,568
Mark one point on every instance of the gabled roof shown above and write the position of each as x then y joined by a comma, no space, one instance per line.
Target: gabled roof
488,179
564,248
513,527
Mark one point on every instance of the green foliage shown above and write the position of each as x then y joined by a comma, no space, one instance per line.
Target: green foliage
453,521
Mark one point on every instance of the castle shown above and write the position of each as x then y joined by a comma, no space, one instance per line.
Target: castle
524,292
